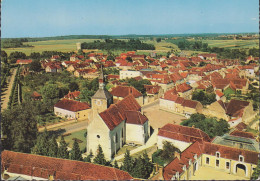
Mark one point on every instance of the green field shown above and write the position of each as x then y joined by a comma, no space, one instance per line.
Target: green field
70,45
50,45
232,43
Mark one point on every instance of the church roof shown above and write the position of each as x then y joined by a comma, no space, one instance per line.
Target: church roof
135,117
123,91
116,113
102,94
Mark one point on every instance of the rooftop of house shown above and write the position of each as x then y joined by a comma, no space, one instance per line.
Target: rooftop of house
123,91
72,105
183,133
61,169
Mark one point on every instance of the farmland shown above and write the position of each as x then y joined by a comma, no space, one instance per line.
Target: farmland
232,43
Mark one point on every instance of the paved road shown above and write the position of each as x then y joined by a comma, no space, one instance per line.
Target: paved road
73,127
7,92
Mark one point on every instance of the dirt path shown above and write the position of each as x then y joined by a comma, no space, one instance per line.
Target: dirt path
6,93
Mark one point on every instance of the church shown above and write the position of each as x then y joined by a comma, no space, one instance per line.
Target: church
113,125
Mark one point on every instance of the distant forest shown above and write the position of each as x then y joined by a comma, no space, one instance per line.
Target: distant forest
109,44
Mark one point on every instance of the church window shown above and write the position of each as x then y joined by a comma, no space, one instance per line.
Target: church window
227,165
217,154
98,136
217,163
116,138
122,133
207,160
241,158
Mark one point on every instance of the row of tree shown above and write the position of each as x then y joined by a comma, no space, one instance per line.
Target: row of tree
118,45
14,43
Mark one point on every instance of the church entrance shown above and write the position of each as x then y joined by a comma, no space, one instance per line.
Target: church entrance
241,170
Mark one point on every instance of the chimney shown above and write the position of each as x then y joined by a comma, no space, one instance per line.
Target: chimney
177,154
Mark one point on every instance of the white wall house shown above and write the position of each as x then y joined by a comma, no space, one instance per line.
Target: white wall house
129,74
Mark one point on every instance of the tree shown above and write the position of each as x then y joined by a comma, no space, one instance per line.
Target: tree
53,147
168,151
42,145
116,164
128,162
158,40
16,55
203,97
50,91
73,86
100,157
88,158
148,165
256,173
75,152
19,126
129,59
209,125
35,66
35,55
3,56
62,150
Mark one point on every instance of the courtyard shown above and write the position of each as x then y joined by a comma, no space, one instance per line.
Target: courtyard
206,173
158,118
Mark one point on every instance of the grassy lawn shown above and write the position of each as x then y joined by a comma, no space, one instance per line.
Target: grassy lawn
79,135
124,148
149,151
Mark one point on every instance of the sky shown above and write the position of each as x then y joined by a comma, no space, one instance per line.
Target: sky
44,18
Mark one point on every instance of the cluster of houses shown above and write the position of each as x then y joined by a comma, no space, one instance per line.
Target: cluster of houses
116,117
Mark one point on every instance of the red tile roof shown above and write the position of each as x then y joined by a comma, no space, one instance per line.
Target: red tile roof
116,113
242,134
23,61
62,169
72,105
198,149
183,87
183,133
241,126
135,117
152,89
123,91
230,152
190,103
235,106
72,95
36,94
219,93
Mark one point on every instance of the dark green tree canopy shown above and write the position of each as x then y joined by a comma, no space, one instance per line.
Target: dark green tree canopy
35,66
203,97
100,157
209,125
62,150
75,153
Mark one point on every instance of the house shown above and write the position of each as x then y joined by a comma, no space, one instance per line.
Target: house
218,157
238,139
184,90
110,124
233,110
171,101
23,61
37,167
120,92
123,74
180,136
72,95
72,109
36,96
153,93
53,68
220,96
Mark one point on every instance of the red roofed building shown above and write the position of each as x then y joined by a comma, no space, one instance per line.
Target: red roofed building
37,167
180,136
23,62
72,109
110,124
36,96
72,95
153,92
120,92
213,156
171,101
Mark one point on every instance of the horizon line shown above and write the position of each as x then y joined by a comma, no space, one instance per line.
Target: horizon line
130,35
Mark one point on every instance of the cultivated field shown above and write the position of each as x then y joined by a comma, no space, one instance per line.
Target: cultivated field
233,43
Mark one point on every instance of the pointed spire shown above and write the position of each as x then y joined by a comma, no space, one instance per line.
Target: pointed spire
101,79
